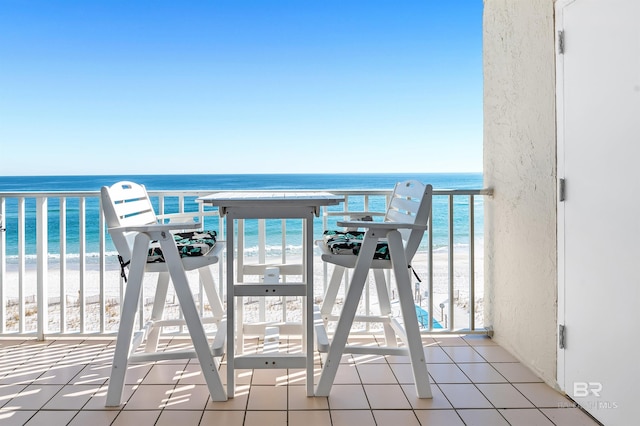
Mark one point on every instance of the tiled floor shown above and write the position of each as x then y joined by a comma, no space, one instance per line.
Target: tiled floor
475,382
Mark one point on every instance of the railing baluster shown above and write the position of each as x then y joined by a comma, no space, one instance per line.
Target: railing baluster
472,280
102,269
42,251
63,264
82,226
3,265
450,321
430,270
21,264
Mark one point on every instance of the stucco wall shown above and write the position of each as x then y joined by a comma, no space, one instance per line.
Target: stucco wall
520,165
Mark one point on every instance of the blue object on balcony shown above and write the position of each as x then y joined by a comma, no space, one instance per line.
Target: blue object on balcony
423,318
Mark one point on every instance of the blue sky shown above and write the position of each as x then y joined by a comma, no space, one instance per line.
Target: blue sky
235,86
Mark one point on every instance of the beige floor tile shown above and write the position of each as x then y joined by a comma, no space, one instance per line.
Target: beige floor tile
243,376
226,418
383,397
451,341
162,374
398,359
447,373
362,359
403,373
463,354
347,374
33,397
569,416
464,396
376,374
267,376
93,418
15,417
24,374
495,354
298,400
436,355
542,395
238,402
8,392
188,397
92,374
352,417
59,374
525,417
395,418
265,418
348,397
150,397
267,398
439,417
309,418
137,418
179,417
71,397
438,400
99,398
479,340
515,372
482,418
504,395
482,373
191,375
48,418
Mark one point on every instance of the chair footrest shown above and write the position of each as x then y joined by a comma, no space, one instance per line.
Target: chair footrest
288,289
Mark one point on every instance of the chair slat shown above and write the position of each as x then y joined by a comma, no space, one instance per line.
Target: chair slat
404,204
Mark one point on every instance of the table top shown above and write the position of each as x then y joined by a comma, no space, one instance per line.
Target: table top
277,199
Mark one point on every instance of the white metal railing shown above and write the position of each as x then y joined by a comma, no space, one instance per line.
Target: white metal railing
59,274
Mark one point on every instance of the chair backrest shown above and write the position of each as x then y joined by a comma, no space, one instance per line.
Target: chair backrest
126,204
410,203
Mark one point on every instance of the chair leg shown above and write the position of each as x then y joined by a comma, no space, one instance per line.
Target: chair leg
405,294
192,318
332,292
385,307
127,320
209,285
358,279
159,301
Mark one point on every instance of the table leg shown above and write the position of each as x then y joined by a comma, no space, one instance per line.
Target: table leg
231,335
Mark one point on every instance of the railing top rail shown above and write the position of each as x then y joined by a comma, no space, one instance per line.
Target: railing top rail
198,192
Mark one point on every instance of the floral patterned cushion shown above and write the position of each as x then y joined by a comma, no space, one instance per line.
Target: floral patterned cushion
349,242
190,244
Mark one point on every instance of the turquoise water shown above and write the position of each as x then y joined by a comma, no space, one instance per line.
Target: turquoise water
224,182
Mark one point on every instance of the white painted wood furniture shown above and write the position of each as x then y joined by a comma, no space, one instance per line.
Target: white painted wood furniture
402,229
132,224
270,205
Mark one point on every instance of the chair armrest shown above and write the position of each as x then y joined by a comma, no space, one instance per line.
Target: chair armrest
378,225
158,227
184,217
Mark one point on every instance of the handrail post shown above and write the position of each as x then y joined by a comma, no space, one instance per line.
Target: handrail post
451,324
42,257
472,268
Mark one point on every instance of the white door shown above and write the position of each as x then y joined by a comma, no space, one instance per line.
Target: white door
598,86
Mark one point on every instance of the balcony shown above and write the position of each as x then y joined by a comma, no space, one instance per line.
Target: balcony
60,304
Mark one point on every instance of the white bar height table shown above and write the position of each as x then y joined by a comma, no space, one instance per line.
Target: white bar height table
271,205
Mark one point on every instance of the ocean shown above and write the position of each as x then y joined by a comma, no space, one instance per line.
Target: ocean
217,183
